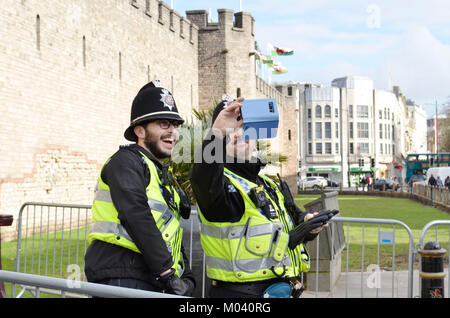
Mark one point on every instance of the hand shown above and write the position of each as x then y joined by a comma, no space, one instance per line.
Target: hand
302,232
226,121
176,285
317,230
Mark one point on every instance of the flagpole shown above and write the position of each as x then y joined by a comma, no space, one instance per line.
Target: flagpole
436,130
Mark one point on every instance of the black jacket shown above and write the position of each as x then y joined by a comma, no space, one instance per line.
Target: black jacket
216,197
128,177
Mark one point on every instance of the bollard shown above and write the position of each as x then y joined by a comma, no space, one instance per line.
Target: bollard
5,220
432,270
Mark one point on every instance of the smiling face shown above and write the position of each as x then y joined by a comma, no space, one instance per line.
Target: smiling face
158,139
239,148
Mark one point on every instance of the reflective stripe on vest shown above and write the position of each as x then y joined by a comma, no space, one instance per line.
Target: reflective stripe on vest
254,248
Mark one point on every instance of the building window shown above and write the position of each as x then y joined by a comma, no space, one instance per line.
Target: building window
309,113
393,130
380,114
327,111
363,130
328,130
336,113
362,111
363,147
328,148
381,148
381,131
319,130
336,148
350,111
318,111
289,134
309,148
319,148
289,89
351,150
238,92
336,126
351,130
309,131
393,150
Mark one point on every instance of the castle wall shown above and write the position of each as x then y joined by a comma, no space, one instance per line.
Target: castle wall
68,74
70,70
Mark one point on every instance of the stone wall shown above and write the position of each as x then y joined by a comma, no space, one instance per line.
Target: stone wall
68,74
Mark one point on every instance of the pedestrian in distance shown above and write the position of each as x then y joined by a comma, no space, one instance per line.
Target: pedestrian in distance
363,182
438,182
432,181
136,237
251,231
447,182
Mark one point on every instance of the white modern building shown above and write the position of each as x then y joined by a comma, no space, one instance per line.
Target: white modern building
351,130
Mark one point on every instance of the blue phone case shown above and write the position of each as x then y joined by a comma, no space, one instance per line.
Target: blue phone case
260,118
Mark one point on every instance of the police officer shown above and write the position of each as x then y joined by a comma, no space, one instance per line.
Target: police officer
245,229
135,239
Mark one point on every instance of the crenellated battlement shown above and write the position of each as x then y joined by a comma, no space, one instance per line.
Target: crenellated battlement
228,20
167,17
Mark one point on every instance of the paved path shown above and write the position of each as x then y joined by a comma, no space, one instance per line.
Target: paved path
351,286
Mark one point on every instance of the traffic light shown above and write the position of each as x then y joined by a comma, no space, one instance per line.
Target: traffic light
299,164
361,162
372,162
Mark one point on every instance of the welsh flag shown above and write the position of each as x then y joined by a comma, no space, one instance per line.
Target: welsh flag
278,51
263,59
278,69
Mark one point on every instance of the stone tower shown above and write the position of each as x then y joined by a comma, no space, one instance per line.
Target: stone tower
226,58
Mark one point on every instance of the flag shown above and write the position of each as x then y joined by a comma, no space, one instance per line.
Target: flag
278,51
263,59
279,70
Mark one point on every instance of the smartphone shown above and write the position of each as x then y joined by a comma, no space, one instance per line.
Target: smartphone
260,117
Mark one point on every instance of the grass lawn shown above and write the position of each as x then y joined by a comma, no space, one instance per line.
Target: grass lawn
413,214
67,250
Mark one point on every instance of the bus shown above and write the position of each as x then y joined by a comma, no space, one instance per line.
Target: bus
418,163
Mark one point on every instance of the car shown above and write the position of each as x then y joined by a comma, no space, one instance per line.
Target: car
331,183
315,183
417,178
386,184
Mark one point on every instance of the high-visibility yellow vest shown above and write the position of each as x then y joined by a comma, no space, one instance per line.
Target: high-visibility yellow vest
254,248
106,225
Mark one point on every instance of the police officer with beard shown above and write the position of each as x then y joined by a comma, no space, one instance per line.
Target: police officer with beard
136,237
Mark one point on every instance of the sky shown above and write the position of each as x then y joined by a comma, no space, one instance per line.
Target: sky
403,42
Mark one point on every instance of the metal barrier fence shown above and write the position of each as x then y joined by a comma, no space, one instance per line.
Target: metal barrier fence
383,237
425,230
49,234
78,287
